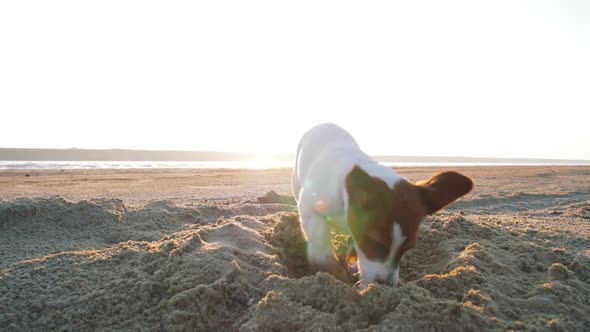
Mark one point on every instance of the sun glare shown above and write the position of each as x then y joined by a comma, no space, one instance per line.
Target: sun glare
406,78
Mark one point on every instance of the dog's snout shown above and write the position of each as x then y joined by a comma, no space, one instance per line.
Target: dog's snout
391,279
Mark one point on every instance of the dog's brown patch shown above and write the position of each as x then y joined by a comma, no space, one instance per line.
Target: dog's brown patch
374,208
443,188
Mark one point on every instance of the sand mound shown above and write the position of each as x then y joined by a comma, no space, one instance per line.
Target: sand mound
273,197
240,265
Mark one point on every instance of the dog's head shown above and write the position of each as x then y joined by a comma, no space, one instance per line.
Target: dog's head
384,220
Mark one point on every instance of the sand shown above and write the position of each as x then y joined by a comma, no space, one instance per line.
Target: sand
200,250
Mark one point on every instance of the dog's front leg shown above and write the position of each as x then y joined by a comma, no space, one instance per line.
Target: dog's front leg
320,254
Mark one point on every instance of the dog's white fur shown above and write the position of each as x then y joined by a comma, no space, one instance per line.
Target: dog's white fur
325,155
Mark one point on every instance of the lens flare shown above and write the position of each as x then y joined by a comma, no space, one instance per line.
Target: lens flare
321,206
351,261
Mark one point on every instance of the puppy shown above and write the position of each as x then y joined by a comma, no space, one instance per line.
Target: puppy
336,183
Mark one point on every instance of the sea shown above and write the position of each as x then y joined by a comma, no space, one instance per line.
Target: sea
239,164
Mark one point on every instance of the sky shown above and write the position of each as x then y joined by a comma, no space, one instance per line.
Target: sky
436,78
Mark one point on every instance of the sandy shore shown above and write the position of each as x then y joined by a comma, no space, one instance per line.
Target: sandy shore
210,250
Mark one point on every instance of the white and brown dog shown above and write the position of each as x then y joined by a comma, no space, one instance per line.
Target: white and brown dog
335,182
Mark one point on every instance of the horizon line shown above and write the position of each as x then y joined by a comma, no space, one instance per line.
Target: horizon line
261,154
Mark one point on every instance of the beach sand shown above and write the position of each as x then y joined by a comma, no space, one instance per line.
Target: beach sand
217,250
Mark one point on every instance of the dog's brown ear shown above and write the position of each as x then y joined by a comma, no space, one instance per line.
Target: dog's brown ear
442,189
360,187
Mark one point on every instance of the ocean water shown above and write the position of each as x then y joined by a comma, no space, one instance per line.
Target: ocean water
247,164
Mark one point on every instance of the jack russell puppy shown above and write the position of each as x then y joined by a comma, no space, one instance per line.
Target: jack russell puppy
335,183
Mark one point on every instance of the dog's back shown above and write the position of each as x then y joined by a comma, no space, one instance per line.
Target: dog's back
317,145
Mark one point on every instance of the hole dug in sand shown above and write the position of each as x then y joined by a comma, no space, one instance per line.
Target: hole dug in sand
290,245
339,302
